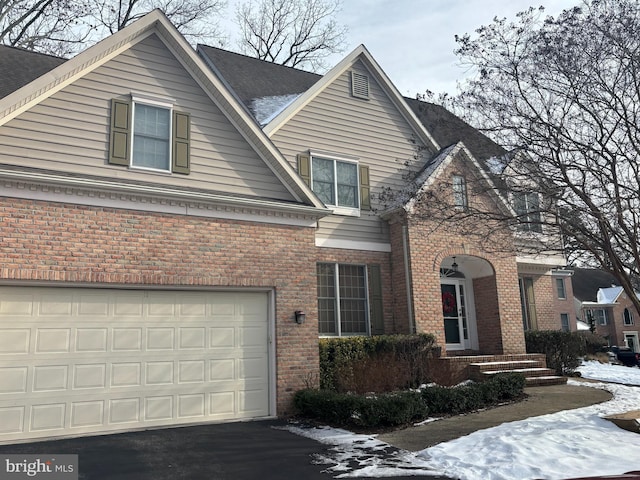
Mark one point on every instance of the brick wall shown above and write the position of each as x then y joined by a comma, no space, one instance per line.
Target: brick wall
76,244
433,237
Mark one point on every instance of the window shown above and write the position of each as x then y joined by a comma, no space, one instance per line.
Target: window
627,317
600,316
564,321
562,293
342,299
342,184
528,304
151,127
149,134
460,200
527,207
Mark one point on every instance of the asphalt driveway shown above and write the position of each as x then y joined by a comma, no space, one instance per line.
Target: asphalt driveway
234,451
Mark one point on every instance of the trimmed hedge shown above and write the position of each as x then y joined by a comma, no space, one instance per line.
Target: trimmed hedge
377,363
563,349
401,408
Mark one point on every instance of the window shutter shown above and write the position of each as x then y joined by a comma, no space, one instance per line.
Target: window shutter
375,307
181,159
304,168
120,132
365,190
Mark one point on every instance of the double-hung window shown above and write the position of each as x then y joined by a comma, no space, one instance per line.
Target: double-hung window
342,299
527,208
600,316
560,288
340,183
627,317
149,133
151,136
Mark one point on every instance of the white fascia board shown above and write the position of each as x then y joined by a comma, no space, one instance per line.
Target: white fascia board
353,245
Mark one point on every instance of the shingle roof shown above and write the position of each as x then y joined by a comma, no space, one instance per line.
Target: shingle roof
587,281
253,78
19,67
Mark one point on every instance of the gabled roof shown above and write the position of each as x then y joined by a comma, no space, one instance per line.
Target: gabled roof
56,77
448,129
20,66
587,281
254,80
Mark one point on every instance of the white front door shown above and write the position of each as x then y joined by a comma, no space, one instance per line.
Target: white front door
455,311
631,339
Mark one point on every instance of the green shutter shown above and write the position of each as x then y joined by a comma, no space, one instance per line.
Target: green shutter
120,132
304,168
181,161
365,190
375,300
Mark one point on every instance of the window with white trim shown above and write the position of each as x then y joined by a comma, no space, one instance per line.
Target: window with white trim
560,288
600,316
527,208
627,317
343,304
460,198
336,183
151,137
564,322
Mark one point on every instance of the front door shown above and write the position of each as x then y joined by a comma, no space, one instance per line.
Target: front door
454,310
631,339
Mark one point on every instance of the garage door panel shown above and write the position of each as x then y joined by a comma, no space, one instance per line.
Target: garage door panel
91,360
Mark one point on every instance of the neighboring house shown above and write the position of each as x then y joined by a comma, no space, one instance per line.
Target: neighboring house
599,300
179,227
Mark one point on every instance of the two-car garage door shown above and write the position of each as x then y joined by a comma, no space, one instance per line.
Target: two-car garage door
76,361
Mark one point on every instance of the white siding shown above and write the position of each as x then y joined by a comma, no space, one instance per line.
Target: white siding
372,130
69,131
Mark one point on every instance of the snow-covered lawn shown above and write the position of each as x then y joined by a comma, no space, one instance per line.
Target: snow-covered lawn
567,444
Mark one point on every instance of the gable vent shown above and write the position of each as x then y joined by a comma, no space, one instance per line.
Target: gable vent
359,85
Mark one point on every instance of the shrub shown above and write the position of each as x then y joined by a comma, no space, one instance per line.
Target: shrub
386,410
401,408
378,363
466,398
562,349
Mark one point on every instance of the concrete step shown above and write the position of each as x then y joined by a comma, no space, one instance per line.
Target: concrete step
505,365
545,381
527,372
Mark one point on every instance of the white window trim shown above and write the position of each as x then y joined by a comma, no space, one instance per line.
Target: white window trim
527,232
463,193
624,320
336,273
564,288
153,101
337,209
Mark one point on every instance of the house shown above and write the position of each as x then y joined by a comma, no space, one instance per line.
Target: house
143,288
601,302
179,228
353,115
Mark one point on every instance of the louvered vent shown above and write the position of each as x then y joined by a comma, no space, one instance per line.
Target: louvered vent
359,85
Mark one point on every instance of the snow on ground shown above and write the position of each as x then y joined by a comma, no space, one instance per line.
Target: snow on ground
571,443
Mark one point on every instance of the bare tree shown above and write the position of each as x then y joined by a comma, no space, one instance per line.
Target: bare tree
42,25
290,32
63,27
563,96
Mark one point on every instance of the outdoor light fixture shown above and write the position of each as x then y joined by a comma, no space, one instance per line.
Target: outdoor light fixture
300,316
454,265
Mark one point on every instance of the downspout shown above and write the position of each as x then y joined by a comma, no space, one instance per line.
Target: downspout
407,278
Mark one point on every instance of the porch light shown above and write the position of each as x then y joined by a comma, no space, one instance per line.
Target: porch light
300,316
454,266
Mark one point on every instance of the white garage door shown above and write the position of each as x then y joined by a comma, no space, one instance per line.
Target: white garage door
77,361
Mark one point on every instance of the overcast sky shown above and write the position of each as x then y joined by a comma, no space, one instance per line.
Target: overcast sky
413,40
